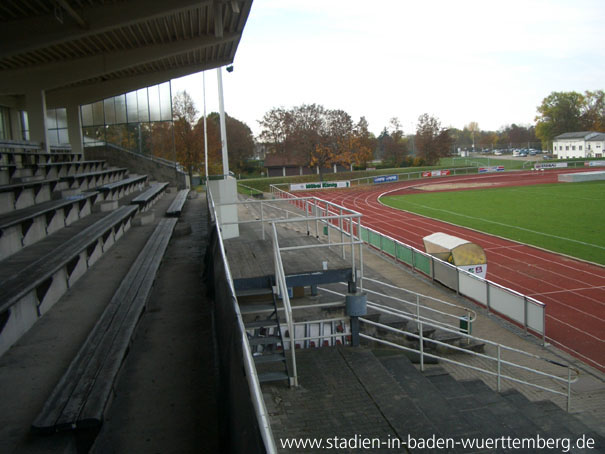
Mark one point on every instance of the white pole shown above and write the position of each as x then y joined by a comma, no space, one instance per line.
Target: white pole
205,127
221,108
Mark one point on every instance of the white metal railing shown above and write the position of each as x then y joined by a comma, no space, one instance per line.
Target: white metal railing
499,362
525,310
452,320
316,212
258,402
282,289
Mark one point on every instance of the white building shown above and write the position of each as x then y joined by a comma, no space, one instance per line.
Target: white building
585,144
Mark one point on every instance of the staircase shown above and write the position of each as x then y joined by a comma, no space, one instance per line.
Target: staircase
353,391
259,310
472,409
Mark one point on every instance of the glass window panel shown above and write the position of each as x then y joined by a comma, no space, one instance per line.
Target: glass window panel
132,107
165,102
86,115
63,137
154,103
4,123
120,102
51,119
97,113
62,117
143,105
110,112
53,137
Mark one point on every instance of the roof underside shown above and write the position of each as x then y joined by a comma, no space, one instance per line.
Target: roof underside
84,50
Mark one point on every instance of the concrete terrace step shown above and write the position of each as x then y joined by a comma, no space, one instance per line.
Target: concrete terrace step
264,340
268,323
272,358
272,376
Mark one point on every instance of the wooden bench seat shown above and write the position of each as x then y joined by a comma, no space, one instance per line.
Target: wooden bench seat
24,158
90,180
61,169
118,189
30,289
175,208
15,196
146,199
21,228
83,394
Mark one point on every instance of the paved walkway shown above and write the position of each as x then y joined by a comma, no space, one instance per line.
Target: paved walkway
166,398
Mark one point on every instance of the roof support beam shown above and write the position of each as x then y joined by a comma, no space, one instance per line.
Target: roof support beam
87,94
38,32
56,75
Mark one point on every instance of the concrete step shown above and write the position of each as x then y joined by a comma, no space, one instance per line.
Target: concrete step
271,358
253,292
253,308
272,376
267,323
264,340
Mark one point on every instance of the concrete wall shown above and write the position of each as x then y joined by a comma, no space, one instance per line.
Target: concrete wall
157,169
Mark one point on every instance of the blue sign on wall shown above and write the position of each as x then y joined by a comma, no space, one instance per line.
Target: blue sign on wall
386,179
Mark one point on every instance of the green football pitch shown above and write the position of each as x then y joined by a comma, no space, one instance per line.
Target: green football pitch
567,218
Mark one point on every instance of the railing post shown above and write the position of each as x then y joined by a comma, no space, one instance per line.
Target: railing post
316,216
421,347
418,309
568,388
262,220
525,313
499,369
360,255
342,234
307,215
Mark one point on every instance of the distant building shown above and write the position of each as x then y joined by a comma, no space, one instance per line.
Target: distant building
285,165
585,144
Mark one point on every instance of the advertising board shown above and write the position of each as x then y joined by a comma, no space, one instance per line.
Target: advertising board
386,179
318,185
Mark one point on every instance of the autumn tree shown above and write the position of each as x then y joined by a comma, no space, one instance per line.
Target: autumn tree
364,143
562,112
276,127
473,128
318,136
432,141
240,141
393,143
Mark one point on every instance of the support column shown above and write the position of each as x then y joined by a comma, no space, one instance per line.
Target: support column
16,130
221,108
35,101
74,128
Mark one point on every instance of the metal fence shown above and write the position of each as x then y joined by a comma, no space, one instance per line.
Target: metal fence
521,309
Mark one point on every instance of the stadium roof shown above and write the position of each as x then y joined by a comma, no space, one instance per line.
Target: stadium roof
85,50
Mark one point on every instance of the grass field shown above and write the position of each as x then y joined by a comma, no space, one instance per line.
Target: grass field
566,218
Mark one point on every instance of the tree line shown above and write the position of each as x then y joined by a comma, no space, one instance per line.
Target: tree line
320,137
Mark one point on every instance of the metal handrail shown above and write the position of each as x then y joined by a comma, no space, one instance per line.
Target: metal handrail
471,315
499,375
282,287
258,402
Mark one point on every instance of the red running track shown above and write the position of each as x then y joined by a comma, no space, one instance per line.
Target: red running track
573,291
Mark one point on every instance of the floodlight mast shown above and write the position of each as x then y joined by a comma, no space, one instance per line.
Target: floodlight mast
221,107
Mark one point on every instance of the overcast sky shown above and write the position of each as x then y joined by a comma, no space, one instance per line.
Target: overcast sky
460,61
